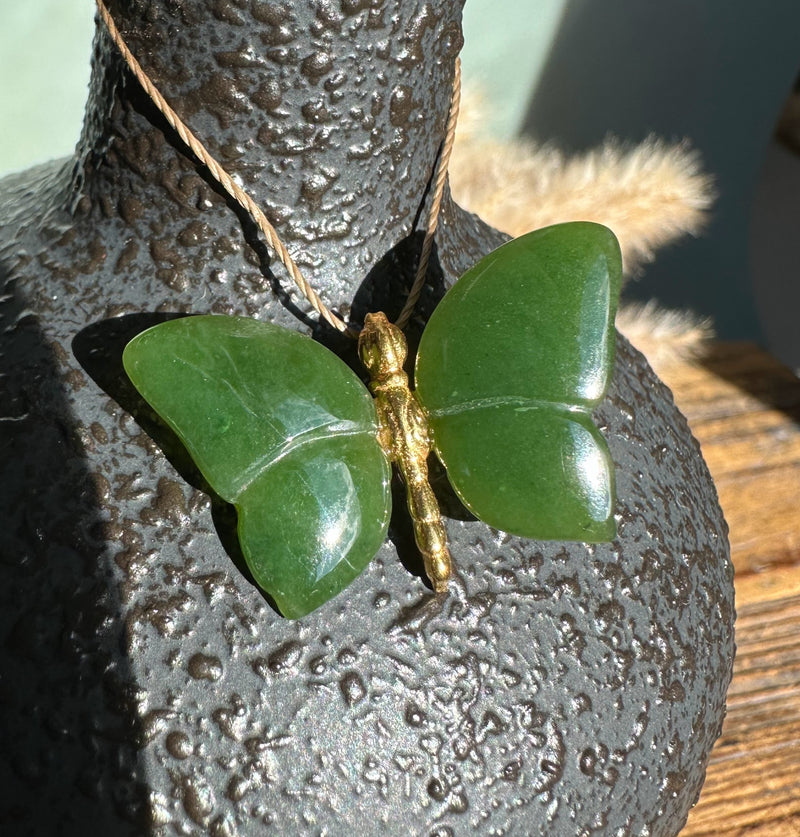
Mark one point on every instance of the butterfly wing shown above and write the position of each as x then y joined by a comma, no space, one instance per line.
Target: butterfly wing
509,368
283,429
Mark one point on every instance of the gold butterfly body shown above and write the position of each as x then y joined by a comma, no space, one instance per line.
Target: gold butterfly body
405,439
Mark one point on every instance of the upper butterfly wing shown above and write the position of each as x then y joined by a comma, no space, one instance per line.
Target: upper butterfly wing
283,429
509,368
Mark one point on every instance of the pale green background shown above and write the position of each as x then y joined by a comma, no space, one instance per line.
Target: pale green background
45,46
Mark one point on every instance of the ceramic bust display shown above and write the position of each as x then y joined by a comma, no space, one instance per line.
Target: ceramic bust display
148,686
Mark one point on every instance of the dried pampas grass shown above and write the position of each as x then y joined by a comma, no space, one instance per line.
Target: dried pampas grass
665,337
649,195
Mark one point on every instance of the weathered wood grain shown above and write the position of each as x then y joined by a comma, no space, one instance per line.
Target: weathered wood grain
744,408
753,782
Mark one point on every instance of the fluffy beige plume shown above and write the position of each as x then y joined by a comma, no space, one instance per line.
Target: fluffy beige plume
665,337
649,195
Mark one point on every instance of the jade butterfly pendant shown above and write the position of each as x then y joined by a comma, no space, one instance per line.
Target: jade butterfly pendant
509,368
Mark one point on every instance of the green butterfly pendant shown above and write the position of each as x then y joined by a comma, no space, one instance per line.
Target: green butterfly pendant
509,368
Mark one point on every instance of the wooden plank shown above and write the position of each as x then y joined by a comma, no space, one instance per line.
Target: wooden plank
761,508
753,780
778,583
744,409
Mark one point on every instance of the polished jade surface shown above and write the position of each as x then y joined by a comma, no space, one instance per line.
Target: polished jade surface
283,429
509,368
512,362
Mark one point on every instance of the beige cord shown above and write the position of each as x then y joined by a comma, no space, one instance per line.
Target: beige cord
436,199
250,206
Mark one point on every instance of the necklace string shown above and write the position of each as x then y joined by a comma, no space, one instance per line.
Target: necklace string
442,167
251,207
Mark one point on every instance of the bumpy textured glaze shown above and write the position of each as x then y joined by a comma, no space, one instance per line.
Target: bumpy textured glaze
147,687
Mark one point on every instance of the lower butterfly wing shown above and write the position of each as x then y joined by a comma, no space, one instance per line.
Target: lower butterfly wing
307,525
509,368
283,429
531,471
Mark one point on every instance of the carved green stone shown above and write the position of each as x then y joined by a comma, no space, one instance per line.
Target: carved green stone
283,429
510,366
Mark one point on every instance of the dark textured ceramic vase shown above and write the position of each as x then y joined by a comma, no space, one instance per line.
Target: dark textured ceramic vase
146,686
